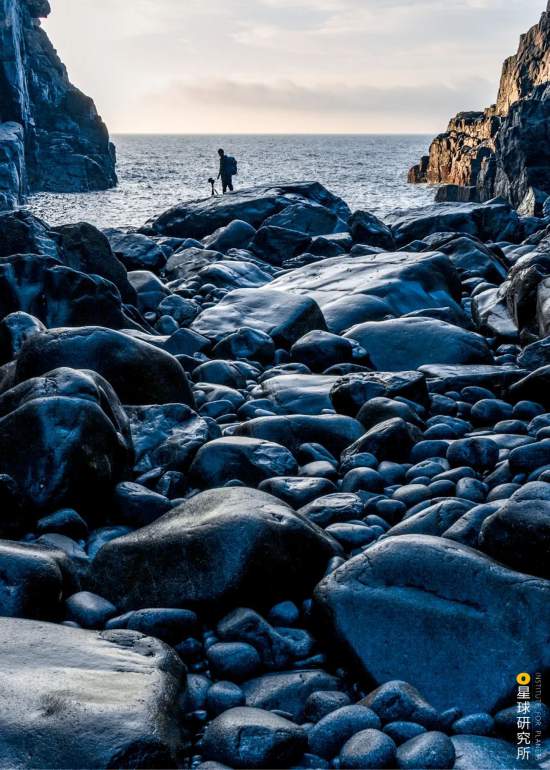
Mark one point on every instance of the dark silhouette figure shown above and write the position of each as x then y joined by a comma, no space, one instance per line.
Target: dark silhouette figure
227,170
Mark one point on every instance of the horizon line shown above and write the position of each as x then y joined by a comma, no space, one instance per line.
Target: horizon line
272,133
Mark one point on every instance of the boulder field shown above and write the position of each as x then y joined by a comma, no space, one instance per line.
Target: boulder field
274,486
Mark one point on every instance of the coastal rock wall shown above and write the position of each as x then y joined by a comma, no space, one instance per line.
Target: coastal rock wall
51,136
502,150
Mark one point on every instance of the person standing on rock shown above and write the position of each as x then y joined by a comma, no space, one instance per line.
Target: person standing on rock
228,169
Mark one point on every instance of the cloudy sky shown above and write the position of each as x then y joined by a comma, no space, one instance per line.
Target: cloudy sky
247,66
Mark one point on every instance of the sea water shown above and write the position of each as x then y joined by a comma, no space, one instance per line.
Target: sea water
158,171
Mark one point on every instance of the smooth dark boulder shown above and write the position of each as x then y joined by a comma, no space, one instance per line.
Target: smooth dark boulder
389,440
236,235
84,248
334,432
518,535
288,691
462,613
284,316
351,392
135,251
429,750
59,295
366,228
248,460
118,691
408,343
319,350
23,233
166,436
253,738
64,440
140,373
31,582
220,548
277,244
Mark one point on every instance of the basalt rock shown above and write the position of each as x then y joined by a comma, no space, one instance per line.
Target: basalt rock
51,136
223,548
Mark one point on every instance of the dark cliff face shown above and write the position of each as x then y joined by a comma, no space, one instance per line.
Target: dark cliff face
505,150
51,136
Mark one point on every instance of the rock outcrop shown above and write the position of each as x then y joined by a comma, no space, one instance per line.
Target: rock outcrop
51,136
504,150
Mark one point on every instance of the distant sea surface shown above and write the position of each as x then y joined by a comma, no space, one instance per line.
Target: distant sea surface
158,171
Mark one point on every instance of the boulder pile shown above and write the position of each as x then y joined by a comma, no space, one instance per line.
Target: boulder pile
274,486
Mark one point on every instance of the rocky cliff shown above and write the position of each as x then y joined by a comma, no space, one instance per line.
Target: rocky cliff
504,150
51,136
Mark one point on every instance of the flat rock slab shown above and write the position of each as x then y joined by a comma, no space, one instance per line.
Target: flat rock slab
441,616
78,699
404,281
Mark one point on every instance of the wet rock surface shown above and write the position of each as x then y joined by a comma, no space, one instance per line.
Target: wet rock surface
318,481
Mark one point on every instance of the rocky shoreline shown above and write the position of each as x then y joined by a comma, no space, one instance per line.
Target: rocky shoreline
274,482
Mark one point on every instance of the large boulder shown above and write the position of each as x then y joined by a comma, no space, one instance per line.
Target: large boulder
73,699
85,248
59,295
441,616
518,535
200,218
284,316
237,458
403,282
223,548
64,440
140,373
407,343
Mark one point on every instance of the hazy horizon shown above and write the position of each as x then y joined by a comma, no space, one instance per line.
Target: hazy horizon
233,67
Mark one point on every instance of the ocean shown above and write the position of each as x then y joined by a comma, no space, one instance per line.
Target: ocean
158,171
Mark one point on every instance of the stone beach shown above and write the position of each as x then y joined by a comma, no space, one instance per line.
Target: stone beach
274,484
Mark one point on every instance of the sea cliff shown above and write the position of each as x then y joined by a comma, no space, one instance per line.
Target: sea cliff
504,150
51,136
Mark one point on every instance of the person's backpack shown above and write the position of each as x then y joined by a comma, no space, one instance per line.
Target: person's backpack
231,166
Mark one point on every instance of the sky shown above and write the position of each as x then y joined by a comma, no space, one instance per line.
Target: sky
287,66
